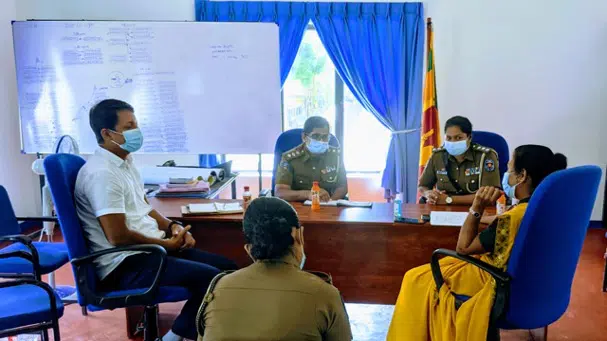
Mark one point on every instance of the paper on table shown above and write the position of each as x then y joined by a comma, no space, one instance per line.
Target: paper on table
215,207
447,218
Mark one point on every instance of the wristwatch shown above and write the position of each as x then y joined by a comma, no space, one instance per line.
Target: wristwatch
449,200
174,222
474,213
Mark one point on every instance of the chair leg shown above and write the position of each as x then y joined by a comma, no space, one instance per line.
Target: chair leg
539,334
150,323
84,311
45,335
605,278
56,334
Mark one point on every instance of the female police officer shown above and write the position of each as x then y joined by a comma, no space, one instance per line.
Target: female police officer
459,168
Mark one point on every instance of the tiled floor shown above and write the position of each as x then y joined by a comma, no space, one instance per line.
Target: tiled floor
585,319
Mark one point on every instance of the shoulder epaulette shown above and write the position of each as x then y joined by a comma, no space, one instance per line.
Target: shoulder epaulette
438,150
480,148
294,153
334,149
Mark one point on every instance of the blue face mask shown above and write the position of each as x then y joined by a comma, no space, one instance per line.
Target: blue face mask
456,148
317,147
133,140
508,190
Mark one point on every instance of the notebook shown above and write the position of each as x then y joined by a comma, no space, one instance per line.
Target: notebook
342,203
212,208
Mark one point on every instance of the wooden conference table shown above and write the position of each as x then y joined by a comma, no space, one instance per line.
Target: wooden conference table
365,252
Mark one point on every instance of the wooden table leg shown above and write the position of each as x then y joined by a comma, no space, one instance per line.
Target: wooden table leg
133,317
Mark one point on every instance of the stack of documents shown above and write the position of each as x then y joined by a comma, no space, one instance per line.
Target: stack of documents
211,208
198,189
342,203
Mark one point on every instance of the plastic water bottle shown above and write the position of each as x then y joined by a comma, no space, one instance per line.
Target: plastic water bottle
500,205
398,208
246,197
315,196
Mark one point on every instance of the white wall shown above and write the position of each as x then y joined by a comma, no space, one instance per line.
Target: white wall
15,168
532,71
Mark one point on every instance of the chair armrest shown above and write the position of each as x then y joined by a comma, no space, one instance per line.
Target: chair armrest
499,275
32,256
113,302
40,219
265,192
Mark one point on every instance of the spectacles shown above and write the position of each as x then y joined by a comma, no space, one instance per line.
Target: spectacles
319,137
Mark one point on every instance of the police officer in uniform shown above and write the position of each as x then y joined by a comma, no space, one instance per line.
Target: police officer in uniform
313,160
274,298
458,169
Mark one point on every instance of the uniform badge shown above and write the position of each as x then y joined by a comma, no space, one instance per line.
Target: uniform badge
441,172
468,172
284,165
489,165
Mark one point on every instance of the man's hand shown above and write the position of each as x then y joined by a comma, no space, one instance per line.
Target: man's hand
189,241
177,241
485,197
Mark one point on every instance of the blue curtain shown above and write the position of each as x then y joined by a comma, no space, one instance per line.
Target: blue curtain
290,17
377,49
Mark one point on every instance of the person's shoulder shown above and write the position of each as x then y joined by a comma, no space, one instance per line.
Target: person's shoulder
334,150
438,152
319,283
483,150
294,153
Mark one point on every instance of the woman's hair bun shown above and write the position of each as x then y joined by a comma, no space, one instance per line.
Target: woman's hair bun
559,161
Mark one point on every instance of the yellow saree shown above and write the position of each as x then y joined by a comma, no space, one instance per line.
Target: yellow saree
422,313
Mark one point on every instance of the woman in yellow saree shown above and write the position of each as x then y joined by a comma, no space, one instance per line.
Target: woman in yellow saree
422,312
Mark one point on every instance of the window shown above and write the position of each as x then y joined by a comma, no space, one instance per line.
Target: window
366,140
313,88
310,88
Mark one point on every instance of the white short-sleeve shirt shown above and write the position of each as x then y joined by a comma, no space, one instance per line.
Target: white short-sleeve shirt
107,184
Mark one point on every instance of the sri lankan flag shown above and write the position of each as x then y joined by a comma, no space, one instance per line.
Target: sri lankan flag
430,133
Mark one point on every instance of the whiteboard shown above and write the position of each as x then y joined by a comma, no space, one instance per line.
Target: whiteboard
196,87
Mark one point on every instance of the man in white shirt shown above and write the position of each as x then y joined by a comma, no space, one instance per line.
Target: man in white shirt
111,204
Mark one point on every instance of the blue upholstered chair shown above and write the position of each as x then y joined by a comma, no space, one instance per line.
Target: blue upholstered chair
27,306
497,143
61,172
285,142
535,290
51,256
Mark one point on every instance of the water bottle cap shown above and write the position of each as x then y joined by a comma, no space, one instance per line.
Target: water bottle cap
246,188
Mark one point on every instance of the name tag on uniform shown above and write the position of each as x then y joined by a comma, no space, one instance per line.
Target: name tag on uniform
441,172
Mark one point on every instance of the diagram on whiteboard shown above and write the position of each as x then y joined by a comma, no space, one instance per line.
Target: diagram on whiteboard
188,82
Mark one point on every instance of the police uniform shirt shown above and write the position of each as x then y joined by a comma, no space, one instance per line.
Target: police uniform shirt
479,168
275,300
298,168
